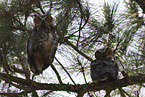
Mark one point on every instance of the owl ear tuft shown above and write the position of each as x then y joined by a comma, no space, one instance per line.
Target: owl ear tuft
37,19
36,16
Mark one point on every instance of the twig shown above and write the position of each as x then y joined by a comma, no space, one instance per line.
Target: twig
39,6
18,70
50,6
66,12
65,70
79,32
34,93
5,65
80,24
57,74
82,70
74,47
80,95
126,93
65,39
25,68
45,95
121,92
108,93
35,11
82,16
21,87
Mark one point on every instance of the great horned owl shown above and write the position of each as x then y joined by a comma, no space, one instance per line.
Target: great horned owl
42,47
103,68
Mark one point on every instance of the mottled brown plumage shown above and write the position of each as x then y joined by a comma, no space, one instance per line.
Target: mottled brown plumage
103,68
41,54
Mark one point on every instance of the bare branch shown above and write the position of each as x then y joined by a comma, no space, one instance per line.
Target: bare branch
57,74
74,47
47,93
79,32
50,6
107,93
83,88
24,66
39,6
121,92
34,94
65,70
126,93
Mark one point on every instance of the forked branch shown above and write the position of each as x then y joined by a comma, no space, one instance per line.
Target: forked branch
81,89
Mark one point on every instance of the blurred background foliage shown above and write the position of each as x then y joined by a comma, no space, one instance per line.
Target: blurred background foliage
87,26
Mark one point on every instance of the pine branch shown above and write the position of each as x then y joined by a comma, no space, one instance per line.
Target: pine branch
45,95
121,92
126,93
18,70
34,94
107,93
39,6
81,89
65,70
66,12
83,71
24,7
57,74
21,87
50,6
79,32
24,66
74,47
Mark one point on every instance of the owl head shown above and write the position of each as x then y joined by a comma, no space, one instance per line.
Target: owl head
43,20
105,53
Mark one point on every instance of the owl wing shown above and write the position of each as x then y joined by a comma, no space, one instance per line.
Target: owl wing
103,70
54,44
40,59
31,52
115,68
96,70
110,70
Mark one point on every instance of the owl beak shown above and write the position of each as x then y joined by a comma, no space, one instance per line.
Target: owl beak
103,56
43,24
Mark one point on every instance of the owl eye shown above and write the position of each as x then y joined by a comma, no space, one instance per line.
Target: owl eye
108,51
48,19
98,54
37,20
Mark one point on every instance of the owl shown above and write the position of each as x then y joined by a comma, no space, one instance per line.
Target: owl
42,47
104,68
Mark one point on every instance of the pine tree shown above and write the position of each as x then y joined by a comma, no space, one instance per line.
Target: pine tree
81,30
